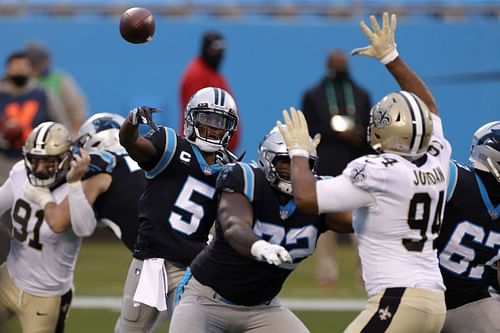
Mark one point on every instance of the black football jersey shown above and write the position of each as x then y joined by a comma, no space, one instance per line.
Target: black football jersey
178,206
117,207
243,280
469,239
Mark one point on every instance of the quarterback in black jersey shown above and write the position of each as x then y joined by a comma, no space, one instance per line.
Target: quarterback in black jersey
178,206
469,241
260,239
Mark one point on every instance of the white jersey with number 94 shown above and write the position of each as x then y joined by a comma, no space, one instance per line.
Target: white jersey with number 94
398,205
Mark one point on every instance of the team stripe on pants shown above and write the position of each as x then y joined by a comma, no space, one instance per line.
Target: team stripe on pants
388,306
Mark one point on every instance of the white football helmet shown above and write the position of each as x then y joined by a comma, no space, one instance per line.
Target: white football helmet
100,132
50,144
212,108
400,123
485,149
271,149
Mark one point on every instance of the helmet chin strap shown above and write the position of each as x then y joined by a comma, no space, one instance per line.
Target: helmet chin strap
207,147
494,171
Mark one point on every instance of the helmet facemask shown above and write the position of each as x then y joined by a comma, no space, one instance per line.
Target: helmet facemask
211,118
485,149
212,129
47,154
275,162
46,171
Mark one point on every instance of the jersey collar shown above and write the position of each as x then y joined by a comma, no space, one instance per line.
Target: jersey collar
493,211
207,169
287,210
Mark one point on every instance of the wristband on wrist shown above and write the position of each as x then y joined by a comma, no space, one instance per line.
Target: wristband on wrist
390,57
45,200
75,186
298,152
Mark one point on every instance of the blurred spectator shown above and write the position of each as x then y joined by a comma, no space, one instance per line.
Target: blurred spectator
59,83
338,108
202,72
23,105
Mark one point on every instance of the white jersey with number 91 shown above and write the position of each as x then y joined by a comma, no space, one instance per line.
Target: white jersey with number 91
40,261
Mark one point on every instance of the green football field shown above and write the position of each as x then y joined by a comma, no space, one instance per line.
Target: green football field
102,268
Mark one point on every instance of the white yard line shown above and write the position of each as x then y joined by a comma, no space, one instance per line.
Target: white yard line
310,304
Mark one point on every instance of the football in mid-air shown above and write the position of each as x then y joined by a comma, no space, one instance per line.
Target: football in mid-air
137,25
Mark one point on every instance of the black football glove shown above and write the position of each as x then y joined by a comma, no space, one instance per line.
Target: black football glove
143,115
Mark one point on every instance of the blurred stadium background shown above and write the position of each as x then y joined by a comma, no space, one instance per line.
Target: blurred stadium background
275,50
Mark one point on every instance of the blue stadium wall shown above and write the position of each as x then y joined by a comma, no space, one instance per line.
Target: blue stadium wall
269,64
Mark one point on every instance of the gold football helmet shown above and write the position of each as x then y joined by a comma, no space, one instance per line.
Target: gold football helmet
400,123
47,154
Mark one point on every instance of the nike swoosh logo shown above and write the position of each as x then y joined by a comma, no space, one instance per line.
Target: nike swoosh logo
41,314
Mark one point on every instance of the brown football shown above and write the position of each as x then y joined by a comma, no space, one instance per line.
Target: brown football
137,25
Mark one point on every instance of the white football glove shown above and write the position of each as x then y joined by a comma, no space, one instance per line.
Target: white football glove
296,134
271,253
383,46
38,195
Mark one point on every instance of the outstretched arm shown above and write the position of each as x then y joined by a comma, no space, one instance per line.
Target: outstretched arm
76,209
383,48
139,148
409,80
300,145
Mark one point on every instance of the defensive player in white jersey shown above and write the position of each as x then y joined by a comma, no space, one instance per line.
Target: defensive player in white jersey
396,196
37,279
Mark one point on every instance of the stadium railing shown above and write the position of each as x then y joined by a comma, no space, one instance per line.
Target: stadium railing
237,8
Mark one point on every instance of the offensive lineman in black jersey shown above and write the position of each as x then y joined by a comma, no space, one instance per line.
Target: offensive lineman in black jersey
178,206
116,202
470,236
260,239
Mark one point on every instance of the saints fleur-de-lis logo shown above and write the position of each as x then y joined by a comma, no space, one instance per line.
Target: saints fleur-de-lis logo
382,118
384,314
358,174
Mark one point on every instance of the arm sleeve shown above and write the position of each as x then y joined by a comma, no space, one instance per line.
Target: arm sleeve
83,220
339,194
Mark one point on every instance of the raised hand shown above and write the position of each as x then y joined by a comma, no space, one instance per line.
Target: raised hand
296,134
383,46
79,166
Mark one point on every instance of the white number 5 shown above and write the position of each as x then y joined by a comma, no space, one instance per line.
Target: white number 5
184,201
